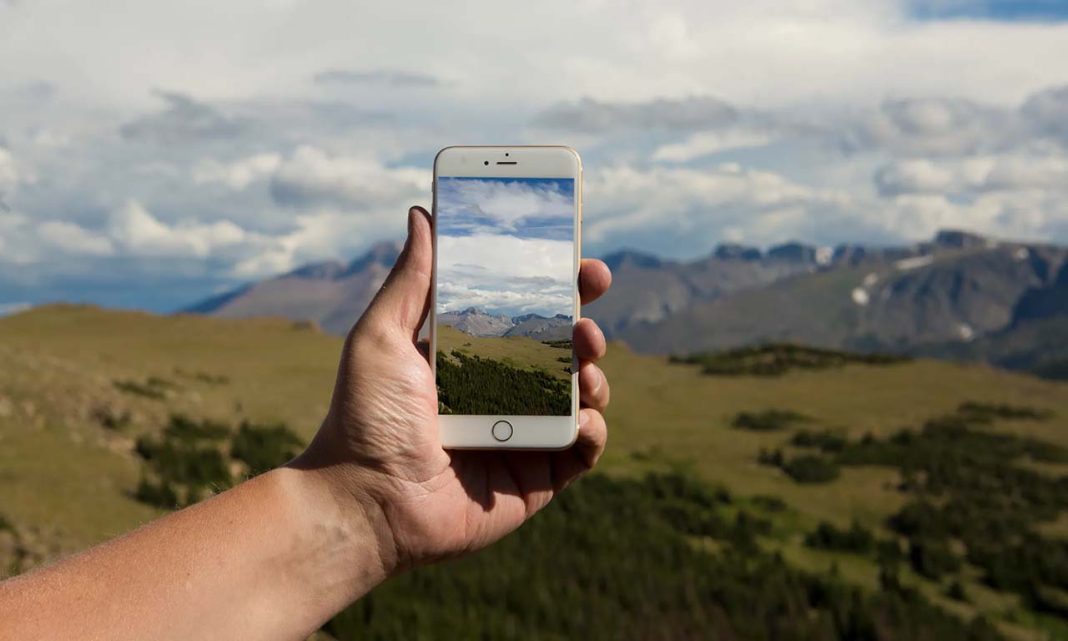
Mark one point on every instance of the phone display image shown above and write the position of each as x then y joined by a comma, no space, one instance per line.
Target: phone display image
505,295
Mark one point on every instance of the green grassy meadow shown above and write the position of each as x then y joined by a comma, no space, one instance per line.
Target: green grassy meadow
80,385
520,352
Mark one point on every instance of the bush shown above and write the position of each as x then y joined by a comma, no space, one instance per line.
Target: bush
767,420
475,385
264,447
955,591
777,359
607,544
811,469
857,539
824,440
990,411
773,458
183,464
139,389
932,558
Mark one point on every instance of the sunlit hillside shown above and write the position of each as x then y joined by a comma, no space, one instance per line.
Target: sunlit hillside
79,385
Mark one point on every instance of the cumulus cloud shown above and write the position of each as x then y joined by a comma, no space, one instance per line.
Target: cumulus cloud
183,118
707,143
380,77
8,175
685,211
985,173
543,208
593,116
932,126
263,157
74,239
1047,112
239,174
505,274
506,245
138,232
313,177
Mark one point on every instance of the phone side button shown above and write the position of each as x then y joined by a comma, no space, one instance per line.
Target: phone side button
501,431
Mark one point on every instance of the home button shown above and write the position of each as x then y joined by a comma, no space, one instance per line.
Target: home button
502,431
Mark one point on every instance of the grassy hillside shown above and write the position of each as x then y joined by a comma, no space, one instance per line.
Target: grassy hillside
521,352
79,385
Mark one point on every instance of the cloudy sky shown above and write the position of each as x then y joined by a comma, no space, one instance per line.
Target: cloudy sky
154,153
506,246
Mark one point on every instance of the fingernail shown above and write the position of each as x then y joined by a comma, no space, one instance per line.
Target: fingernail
583,419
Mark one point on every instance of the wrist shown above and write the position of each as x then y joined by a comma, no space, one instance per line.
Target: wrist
341,535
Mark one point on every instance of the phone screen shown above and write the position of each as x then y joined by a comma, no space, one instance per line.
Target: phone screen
505,295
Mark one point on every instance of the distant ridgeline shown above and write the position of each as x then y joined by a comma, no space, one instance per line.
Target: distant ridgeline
959,295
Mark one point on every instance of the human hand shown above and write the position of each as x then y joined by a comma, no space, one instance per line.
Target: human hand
379,445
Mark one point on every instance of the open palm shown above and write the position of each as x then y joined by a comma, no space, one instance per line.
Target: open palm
381,434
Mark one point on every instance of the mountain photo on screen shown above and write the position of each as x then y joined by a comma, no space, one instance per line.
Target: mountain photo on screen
505,295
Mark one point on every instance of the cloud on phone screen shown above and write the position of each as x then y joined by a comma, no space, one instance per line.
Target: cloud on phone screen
505,245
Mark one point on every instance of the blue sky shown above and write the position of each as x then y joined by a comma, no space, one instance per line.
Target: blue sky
525,208
995,10
505,245
180,157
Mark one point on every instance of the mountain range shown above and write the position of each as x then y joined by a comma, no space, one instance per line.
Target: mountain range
959,295
477,322
331,294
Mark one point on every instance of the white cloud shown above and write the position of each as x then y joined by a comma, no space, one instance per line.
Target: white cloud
692,209
138,232
506,205
933,126
1020,215
75,240
8,175
505,273
711,142
985,173
595,116
246,163
313,177
239,174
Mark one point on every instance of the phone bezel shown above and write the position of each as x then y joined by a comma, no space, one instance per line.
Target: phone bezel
528,432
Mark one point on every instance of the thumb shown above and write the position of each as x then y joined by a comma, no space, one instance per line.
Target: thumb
403,300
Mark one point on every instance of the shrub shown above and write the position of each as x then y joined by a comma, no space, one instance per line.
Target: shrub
777,359
606,544
811,469
183,464
857,539
475,385
932,558
264,447
955,591
139,389
825,440
767,420
990,411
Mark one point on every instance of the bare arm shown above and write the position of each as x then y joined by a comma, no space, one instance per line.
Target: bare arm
273,558
374,494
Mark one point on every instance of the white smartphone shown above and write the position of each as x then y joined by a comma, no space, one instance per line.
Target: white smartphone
507,245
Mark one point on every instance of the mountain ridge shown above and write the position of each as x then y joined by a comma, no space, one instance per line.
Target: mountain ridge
936,296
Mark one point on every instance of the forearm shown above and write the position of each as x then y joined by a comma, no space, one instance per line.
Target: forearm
270,559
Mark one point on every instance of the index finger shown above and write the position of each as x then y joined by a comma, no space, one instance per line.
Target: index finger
594,280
